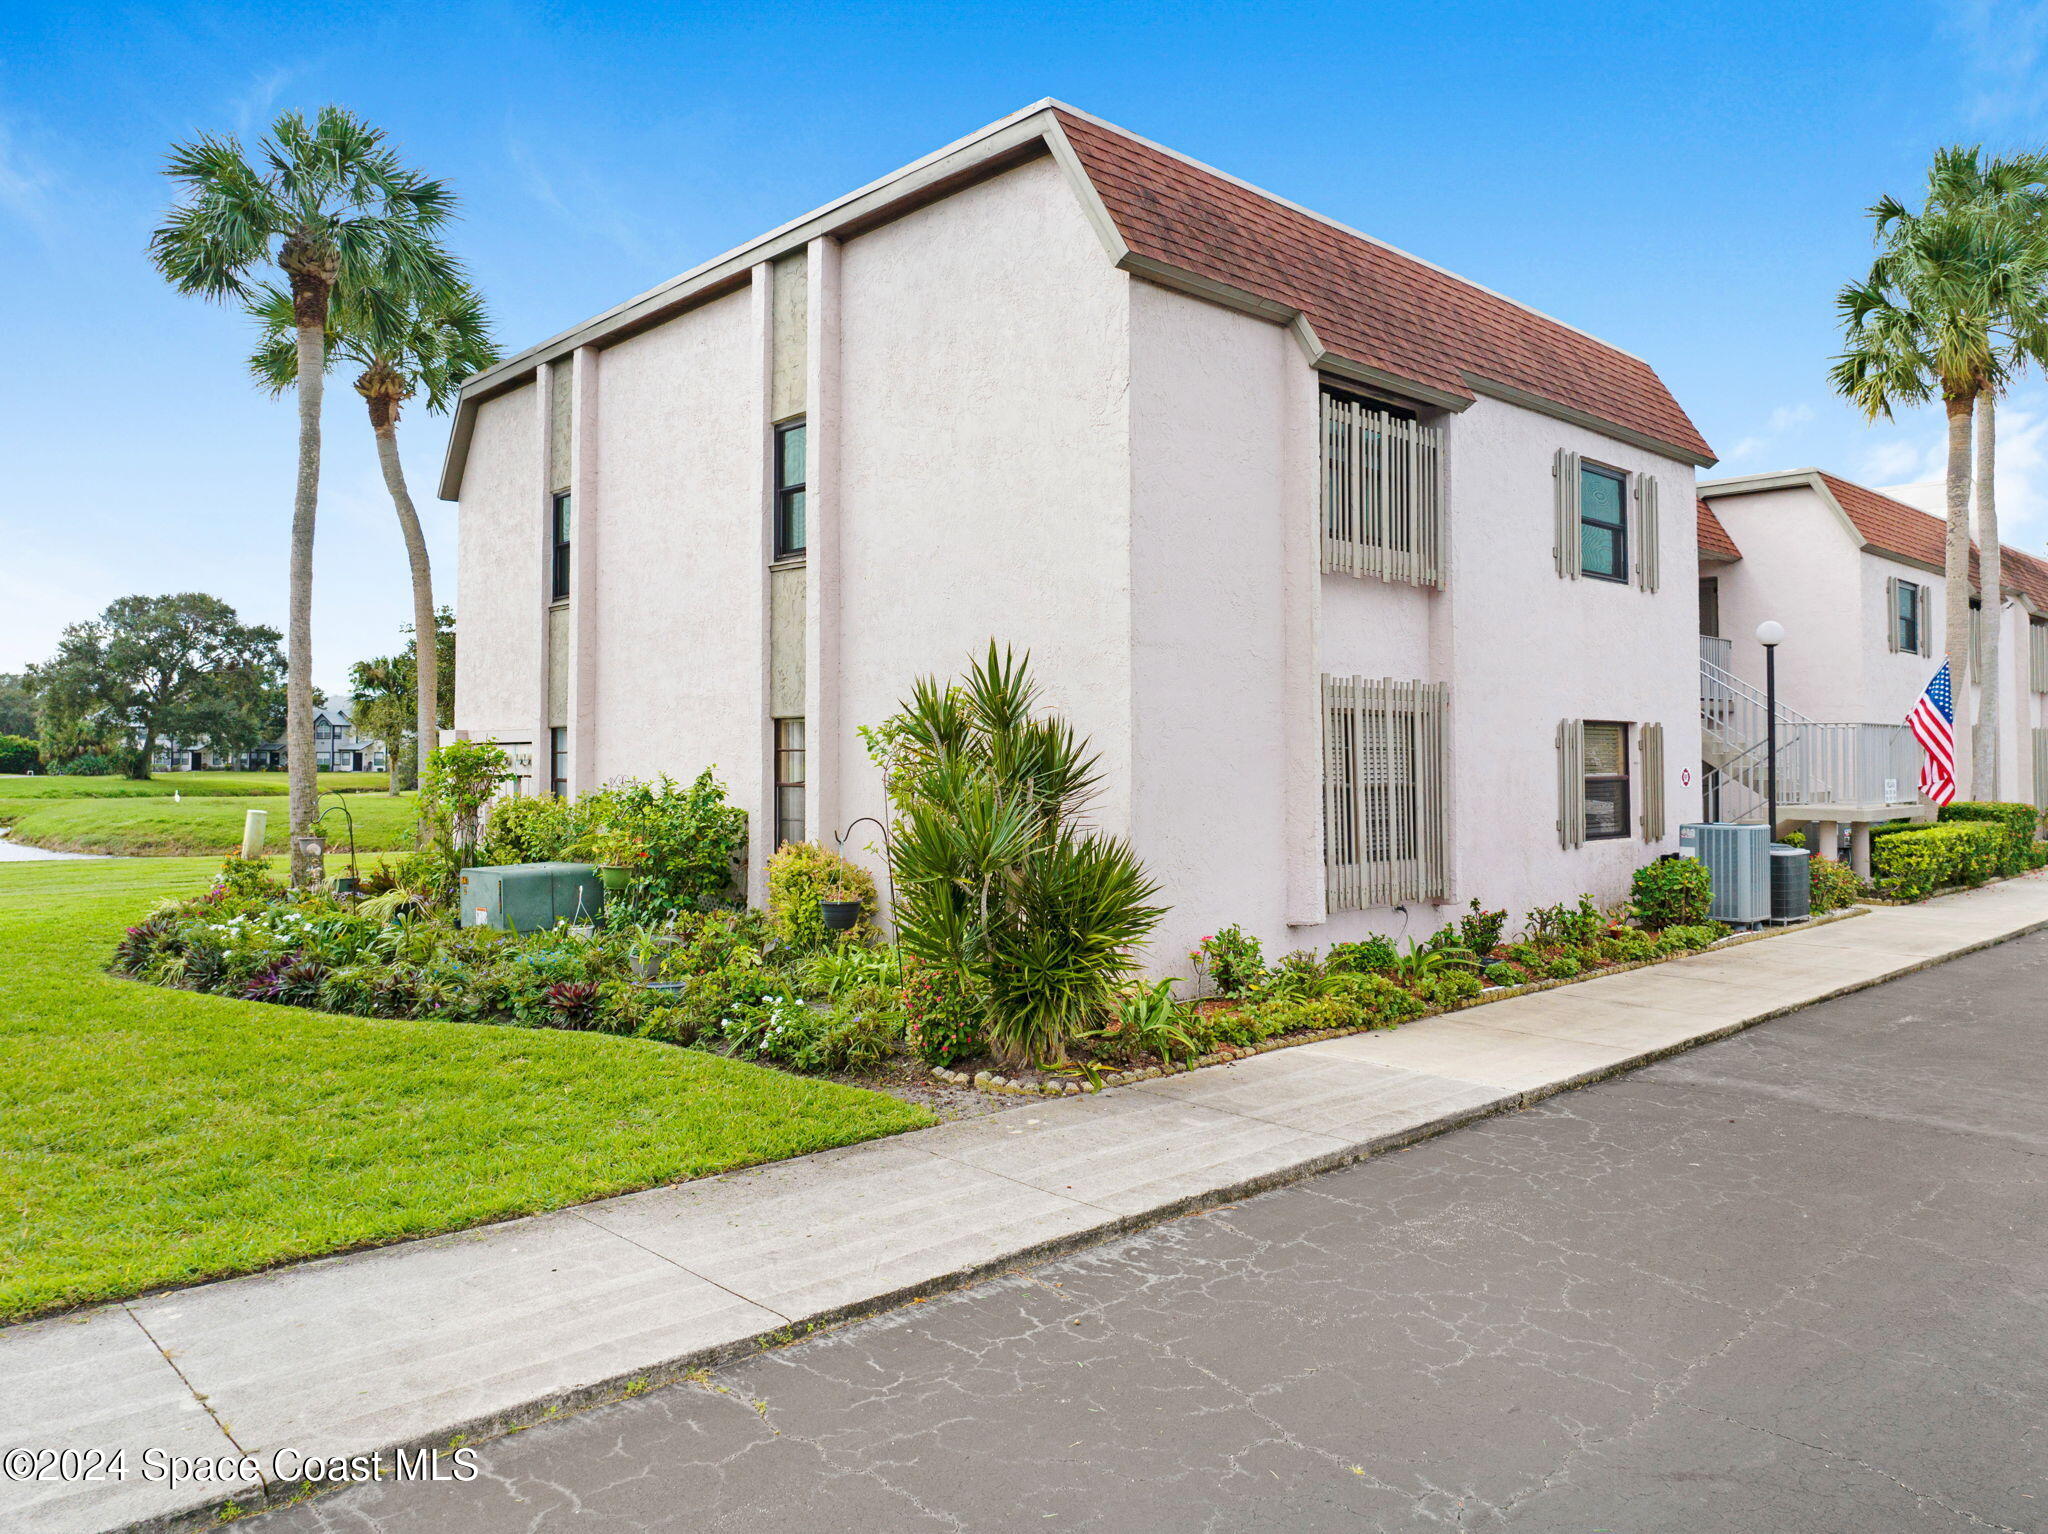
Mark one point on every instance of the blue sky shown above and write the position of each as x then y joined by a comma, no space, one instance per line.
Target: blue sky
1687,182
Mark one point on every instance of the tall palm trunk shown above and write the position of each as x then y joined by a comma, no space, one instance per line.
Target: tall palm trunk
425,633
1956,568
1990,578
312,285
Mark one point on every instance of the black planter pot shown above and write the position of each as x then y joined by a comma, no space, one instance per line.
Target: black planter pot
840,915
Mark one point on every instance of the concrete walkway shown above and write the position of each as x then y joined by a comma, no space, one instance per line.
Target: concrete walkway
468,1334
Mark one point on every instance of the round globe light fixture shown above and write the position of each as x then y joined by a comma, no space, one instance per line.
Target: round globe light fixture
1770,632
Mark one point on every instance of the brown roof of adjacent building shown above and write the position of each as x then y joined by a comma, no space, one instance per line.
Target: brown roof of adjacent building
1714,540
1892,527
1369,304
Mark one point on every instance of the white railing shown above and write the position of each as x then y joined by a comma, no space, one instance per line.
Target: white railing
1383,495
1818,763
1717,652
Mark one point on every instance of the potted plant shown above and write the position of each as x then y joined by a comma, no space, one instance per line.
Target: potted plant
840,907
649,950
619,855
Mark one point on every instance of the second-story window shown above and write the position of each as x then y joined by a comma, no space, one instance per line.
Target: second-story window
1909,616
789,490
1603,522
558,578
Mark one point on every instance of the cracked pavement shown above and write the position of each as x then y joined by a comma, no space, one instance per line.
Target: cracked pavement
1791,1281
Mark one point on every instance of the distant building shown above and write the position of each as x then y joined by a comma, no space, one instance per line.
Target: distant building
336,748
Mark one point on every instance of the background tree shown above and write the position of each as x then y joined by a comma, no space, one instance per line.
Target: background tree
427,337
150,669
17,705
333,208
386,689
1935,316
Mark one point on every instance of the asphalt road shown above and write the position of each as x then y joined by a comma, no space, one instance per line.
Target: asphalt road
1794,1281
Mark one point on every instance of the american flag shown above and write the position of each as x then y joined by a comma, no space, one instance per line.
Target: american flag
1933,723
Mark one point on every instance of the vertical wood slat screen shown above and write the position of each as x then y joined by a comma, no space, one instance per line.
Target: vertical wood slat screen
1566,552
1648,533
2037,655
1383,495
1385,771
2041,769
1650,748
1571,783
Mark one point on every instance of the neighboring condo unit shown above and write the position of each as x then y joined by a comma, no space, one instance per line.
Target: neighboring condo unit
1855,577
1374,589
336,748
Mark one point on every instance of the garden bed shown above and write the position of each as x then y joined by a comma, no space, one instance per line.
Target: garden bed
1042,1084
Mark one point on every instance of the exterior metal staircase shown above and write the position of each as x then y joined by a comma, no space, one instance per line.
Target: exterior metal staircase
1826,771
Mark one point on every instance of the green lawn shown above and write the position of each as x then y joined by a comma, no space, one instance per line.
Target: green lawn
187,784
151,1137
202,826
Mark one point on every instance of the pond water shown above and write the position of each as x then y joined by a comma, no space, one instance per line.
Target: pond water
12,852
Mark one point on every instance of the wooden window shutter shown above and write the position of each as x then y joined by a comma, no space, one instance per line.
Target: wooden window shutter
1922,606
1571,783
2041,769
1647,550
1891,612
1650,746
1565,551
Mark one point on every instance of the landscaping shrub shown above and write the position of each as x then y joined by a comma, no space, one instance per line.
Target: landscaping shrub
1298,977
1151,1021
1234,962
1505,974
1373,1001
90,764
694,840
1911,865
1564,924
1625,945
1563,967
1479,929
18,754
1671,892
1373,956
800,875
460,781
532,828
1448,986
996,871
1833,885
943,1011
1691,937
2019,821
1306,1014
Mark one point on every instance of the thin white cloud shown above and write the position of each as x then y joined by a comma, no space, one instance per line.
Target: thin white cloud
1784,419
583,200
2002,44
252,106
26,183
1914,469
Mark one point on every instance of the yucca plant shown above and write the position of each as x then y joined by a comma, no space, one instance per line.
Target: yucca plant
996,873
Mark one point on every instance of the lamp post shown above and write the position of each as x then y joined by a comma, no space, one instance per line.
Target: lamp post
1768,634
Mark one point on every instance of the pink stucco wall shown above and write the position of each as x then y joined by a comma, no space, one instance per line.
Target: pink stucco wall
1016,440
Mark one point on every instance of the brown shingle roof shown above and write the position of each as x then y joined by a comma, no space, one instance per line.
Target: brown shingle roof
1714,540
1907,531
1369,304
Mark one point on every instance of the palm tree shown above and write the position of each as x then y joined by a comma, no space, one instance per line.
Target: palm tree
2014,190
426,337
331,206
1936,315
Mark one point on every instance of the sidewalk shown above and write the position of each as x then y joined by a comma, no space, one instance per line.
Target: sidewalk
421,1344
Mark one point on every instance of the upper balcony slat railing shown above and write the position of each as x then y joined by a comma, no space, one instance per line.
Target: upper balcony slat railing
1383,495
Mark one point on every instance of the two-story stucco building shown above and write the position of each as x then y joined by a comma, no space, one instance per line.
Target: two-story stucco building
1855,577
1374,588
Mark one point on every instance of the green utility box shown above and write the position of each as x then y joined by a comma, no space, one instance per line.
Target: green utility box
530,897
